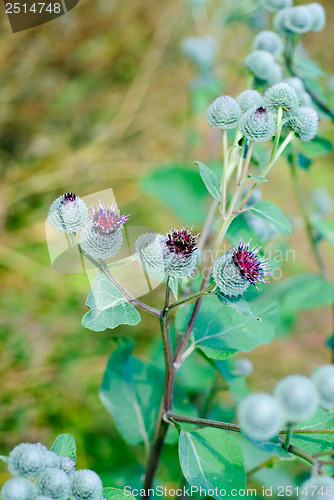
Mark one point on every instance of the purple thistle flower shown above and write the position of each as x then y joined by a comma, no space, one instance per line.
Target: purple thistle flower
253,268
108,220
181,242
68,198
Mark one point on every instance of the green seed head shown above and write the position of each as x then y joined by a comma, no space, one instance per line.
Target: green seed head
324,383
297,397
223,113
304,121
281,95
260,64
248,99
269,41
260,417
257,124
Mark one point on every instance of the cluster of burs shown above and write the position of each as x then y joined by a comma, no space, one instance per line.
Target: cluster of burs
40,474
290,23
294,400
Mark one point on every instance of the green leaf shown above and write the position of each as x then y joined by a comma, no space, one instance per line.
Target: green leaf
315,443
303,161
272,213
108,307
210,180
186,196
131,391
174,285
116,494
212,458
317,147
4,458
257,178
220,333
325,229
239,304
306,67
64,446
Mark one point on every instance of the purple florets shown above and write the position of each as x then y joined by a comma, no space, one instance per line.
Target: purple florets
181,242
68,198
108,220
250,265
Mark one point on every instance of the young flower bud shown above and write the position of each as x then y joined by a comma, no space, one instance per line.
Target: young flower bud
243,367
324,382
181,256
235,271
223,113
297,397
276,5
18,488
201,50
281,95
68,213
26,460
43,497
275,75
260,63
50,458
295,83
85,484
260,417
67,464
102,237
54,483
280,21
269,41
248,99
257,124
304,121
298,19
318,16
150,248
317,488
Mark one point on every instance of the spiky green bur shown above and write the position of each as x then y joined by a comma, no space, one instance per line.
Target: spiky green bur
85,484
223,113
304,121
181,254
260,64
317,488
18,488
67,464
318,16
324,382
68,213
228,277
269,41
248,99
296,20
26,460
297,397
260,417
276,75
54,483
281,95
257,124
150,251
100,246
276,5
201,50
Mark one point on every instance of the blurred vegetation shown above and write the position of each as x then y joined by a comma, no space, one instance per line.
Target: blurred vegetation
98,99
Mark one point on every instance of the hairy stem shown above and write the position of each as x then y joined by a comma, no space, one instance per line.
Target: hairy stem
224,176
193,296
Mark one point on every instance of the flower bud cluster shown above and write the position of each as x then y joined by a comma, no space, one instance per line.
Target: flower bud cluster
200,50
101,237
301,19
40,474
295,399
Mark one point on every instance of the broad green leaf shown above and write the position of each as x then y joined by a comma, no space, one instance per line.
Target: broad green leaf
210,180
317,147
212,458
257,178
306,67
239,304
4,458
131,391
220,333
116,494
303,161
64,446
186,196
315,443
272,213
108,307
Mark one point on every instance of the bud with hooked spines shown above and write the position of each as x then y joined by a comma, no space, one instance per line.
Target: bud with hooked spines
318,16
323,379
304,121
281,95
297,397
276,5
223,113
257,124
269,41
26,460
317,488
248,99
68,213
260,64
85,484
18,488
54,483
260,416
181,254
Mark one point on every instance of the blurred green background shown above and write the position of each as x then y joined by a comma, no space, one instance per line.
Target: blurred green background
98,99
